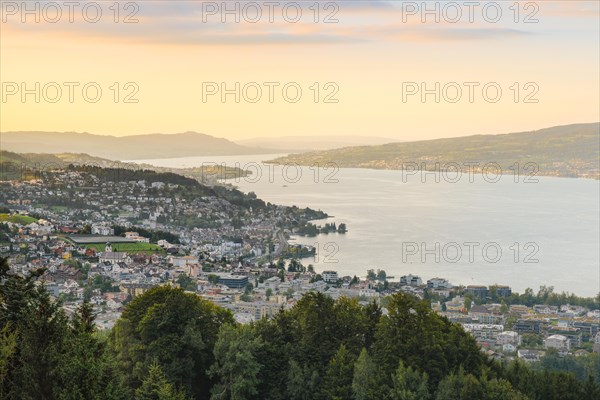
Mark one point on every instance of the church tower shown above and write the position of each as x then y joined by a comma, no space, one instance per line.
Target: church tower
108,248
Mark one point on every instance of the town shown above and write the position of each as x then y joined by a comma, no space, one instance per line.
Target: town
105,240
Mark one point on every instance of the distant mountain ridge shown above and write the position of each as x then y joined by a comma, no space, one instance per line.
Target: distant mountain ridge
136,147
565,151
301,144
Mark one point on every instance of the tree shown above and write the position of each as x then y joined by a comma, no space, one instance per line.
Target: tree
268,293
503,307
39,327
371,275
281,263
381,275
302,383
86,370
156,386
409,384
532,340
468,302
296,266
366,383
236,366
337,382
176,329
456,387
8,345
47,355
372,312
83,320
186,283
413,333
591,390
461,386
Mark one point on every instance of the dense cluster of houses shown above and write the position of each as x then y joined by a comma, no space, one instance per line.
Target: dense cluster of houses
233,266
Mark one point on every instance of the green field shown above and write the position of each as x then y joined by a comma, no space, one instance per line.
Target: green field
128,247
17,219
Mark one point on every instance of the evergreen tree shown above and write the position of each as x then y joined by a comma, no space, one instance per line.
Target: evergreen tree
591,389
337,382
366,383
303,383
156,386
236,366
174,328
409,384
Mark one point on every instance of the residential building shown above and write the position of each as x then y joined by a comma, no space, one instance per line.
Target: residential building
528,326
410,280
102,229
482,315
477,291
502,290
558,342
572,334
484,331
457,305
529,355
330,276
509,337
233,281
438,283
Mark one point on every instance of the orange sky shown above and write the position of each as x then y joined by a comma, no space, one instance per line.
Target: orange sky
364,61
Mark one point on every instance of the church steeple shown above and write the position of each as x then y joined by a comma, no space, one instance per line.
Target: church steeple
108,248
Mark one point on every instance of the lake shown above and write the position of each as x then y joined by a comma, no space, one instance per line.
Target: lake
471,230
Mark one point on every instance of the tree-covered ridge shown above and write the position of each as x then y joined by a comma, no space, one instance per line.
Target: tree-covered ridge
170,344
25,166
572,150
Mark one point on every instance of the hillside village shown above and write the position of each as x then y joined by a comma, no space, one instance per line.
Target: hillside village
106,241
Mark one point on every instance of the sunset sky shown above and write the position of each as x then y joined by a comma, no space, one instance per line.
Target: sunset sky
371,52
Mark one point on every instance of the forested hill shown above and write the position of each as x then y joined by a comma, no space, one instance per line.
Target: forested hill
133,147
567,151
173,345
13,166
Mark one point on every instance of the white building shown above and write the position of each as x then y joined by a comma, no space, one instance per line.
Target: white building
102,229
438,283
183,261
368,293
330,276
272,283
410,280
136,237
509,337
113,257
558,342
484,331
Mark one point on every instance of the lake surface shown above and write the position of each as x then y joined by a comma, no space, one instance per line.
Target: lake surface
468,230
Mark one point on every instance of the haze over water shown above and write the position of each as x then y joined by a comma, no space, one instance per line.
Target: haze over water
390,216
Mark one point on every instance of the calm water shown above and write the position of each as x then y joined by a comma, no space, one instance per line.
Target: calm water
395,223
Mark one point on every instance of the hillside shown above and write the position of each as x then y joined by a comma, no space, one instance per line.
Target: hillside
566,151
14,166
299,144
135,147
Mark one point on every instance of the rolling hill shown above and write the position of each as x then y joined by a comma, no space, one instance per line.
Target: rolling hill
136,147
15,166
300,144
566,151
